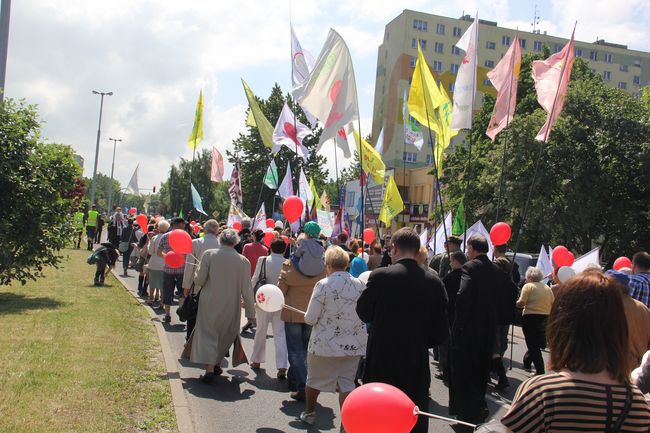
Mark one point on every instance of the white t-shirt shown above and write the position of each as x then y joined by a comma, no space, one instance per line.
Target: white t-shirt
156,263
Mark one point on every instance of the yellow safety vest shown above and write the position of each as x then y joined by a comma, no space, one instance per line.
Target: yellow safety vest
92,218
78,220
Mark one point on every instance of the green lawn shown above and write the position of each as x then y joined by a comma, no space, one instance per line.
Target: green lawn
79,358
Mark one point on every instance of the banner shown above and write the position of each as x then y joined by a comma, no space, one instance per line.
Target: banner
325,219
216,171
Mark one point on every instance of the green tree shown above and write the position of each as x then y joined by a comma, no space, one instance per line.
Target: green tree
102,190
40,184
253,158
592,184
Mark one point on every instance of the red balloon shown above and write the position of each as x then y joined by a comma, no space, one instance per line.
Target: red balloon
197,229
561,256
570,259
268,238
378,408
622,262
285,238
500,233
143,222
237,226
292,208
132,211
174,260
192,223
369,236
270,223
180,241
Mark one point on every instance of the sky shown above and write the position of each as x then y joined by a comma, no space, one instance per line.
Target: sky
155,56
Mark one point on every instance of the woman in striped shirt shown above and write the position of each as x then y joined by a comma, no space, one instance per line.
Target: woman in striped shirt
590,389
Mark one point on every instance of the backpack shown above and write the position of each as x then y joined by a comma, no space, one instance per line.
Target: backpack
94,257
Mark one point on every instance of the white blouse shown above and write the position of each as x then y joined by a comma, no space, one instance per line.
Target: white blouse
337,329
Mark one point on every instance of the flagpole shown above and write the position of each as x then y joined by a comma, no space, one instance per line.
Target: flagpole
363,208
338,185
192,167
404,176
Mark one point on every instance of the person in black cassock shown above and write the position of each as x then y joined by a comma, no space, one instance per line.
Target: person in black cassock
406,308
477,312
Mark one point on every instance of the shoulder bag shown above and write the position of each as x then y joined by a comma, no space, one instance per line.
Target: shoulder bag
190,307
261,279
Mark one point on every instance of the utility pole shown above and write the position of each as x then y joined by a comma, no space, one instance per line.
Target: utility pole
99,128
5,10
110,187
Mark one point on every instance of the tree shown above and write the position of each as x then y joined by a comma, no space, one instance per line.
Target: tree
254,159
592,184
41,184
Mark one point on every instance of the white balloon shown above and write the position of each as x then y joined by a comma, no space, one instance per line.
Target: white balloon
269,298
364,277
564,273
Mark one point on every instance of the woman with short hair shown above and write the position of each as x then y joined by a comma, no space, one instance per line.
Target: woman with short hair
338,338
590,387
536,299
155,265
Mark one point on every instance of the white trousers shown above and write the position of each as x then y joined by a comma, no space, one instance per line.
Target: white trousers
259,344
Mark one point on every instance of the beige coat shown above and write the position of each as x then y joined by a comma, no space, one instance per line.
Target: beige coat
199,246
297,289
224,277
638,328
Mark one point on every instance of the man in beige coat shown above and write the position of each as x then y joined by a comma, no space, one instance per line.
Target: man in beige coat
224,279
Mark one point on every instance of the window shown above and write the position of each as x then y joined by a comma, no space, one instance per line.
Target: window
608,58
487,82
505,40
351,202
409,157
452,86
440,29
455,50
607,76
636,80
490,45
537,46
578,52
412,62
557,48
593,55
623,68
423,44
420,25
622,85
437,66
522,43
458,32
637,62
414,43
489,63
439,47
429,159
454,68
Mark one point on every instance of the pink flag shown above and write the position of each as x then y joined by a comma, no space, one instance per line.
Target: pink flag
504,78
235,188
290,132
216,172
551,82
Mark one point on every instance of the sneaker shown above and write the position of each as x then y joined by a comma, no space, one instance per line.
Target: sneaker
167,318
308,418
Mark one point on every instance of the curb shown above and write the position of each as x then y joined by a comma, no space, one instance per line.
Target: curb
181,406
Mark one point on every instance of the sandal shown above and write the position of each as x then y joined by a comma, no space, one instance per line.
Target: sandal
308,418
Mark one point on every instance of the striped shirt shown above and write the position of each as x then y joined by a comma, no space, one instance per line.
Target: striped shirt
557,403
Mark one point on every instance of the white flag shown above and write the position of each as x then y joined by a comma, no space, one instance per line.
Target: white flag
302,62
286,187
437,242
465,86
479,229
133,183
591,259
330,92
235,214
544,262
379,144
424,237
260,218
290,132
304,190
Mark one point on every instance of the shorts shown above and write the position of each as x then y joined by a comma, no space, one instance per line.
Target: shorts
324,373
155,279
170,281
90,231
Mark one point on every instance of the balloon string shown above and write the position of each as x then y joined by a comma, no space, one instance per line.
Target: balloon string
449,420
293,309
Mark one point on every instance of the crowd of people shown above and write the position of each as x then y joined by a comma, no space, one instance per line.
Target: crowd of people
376,312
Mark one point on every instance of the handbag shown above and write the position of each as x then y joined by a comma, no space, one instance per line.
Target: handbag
125,245
190,307
261,279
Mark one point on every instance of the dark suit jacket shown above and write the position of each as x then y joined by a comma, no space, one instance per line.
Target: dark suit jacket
405,306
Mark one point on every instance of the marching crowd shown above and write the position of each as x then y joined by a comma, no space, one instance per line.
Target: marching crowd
361,313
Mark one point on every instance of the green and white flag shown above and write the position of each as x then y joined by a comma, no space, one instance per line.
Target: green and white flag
271,177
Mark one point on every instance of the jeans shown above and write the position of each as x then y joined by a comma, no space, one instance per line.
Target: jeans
297,335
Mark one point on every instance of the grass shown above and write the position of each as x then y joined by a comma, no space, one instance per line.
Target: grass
79,358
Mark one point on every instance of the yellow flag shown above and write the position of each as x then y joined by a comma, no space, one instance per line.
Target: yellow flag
325,201
393,204
424,96
371,159
263,125
315,203
442,128
250,120
197,130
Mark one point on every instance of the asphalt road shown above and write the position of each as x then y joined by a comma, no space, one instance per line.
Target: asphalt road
242,400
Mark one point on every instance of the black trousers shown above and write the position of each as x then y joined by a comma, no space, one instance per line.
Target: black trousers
99,273
534,327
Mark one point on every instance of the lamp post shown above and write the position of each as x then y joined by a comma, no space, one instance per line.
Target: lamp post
99,127
110,186
5,11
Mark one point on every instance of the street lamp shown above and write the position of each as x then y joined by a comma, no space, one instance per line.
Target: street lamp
99,127
110,187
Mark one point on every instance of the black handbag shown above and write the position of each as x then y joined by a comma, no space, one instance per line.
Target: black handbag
261,279
190,307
